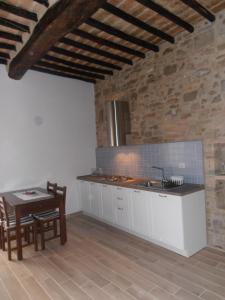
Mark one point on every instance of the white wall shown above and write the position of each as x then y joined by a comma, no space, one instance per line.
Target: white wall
47,132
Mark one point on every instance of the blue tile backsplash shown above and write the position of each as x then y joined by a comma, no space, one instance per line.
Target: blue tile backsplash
179,158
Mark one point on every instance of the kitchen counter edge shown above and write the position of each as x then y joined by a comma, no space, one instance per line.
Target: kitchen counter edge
183,190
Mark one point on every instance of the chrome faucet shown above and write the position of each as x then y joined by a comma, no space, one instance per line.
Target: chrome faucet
162,170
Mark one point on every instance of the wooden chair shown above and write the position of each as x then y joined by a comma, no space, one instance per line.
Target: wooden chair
8,225
47,220
51,187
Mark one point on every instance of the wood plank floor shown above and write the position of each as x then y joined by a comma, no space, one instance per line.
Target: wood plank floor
103,263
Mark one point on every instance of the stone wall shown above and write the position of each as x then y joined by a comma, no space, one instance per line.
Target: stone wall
179,94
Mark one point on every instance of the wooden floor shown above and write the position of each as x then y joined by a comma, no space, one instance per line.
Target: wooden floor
103,263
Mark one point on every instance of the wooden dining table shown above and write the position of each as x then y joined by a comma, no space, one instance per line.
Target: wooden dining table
23,207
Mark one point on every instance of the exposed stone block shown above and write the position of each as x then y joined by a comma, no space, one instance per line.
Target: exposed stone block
204,38
190,96
169,70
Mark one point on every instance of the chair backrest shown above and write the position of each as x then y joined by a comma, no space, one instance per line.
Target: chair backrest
3,210
51,187
61,191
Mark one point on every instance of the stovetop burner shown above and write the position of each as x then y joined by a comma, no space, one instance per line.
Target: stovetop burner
118,178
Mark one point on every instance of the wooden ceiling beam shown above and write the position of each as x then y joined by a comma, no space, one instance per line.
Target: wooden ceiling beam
107,43
14,25
3,61
96,51
76,65
7,46
51,72
167,14
61,74
10,36
18,11
138,23
4,55
122,35
85,58
195,5
59,20
42,2
69,70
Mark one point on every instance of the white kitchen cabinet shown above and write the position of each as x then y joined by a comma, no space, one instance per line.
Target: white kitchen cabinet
85,197
141,212
194,222
174,222
95,199
179,223
121,202
167,223
107,203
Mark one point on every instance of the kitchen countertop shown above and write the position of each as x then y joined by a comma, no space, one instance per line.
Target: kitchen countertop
182,190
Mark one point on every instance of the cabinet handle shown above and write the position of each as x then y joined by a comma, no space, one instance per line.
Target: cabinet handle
162,196
119,198
119,208
92,183
137,191
119,189
104,185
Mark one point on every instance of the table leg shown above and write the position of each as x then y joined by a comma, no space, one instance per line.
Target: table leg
18,235
63,234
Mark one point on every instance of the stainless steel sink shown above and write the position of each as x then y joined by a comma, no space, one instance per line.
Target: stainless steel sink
155,185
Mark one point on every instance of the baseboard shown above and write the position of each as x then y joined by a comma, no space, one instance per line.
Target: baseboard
75,214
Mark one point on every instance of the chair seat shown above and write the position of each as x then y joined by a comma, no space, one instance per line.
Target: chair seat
23,221
2,222
47,215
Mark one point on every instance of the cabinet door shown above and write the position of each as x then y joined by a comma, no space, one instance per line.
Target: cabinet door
85,197
121,197
107,203
167,224
95,198
140,212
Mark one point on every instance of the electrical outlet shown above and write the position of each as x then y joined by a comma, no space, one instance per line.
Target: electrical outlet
181,165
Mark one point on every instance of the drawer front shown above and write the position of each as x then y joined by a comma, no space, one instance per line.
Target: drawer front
121,196
121,201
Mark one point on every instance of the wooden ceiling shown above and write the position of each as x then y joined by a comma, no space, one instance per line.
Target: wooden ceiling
111,33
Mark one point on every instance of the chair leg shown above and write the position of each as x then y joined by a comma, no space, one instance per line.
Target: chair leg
55,228
29,230
35,236
42,229
9,244
25,234
3,238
